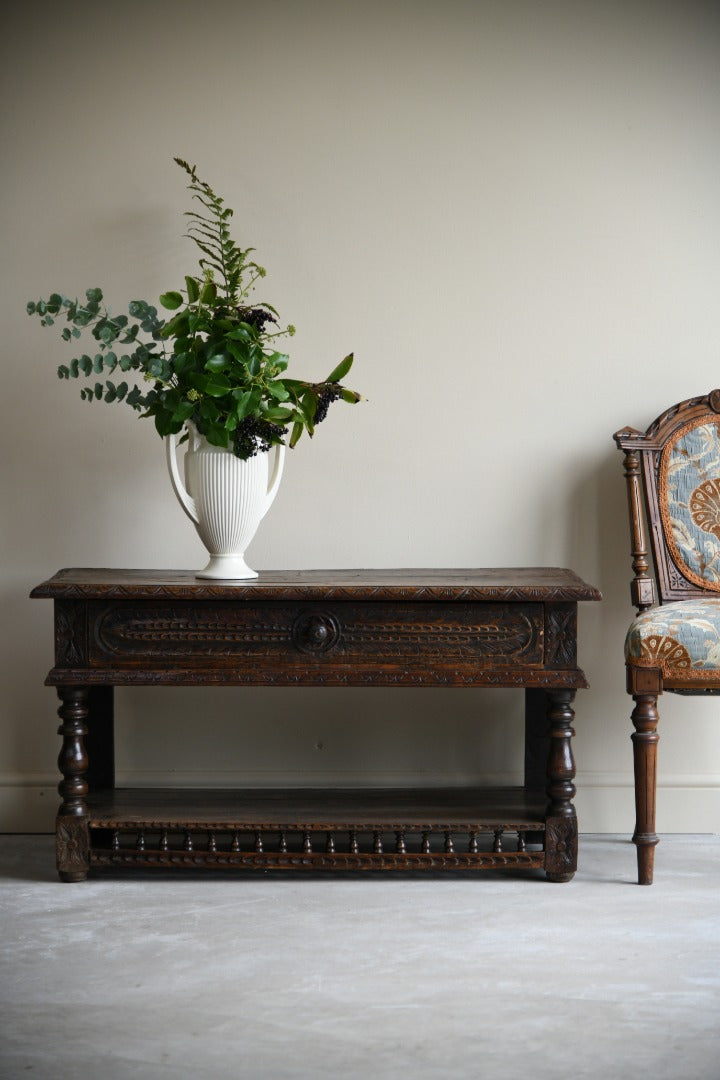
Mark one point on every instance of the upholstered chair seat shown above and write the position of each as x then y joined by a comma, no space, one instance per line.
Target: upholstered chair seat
680,639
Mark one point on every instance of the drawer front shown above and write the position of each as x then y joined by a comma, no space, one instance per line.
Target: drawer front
277,637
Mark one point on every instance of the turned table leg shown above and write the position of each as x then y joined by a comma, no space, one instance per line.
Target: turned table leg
561,835
645,739
72,832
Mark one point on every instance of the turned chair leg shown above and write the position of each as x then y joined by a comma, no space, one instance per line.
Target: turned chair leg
645,740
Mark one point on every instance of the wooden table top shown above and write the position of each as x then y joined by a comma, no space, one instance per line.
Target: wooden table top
541,583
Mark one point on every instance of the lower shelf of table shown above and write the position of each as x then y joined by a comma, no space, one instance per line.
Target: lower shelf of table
318,829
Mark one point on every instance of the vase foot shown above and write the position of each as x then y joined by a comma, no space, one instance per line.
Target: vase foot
228,567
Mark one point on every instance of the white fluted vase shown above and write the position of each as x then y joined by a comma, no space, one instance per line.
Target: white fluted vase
226,498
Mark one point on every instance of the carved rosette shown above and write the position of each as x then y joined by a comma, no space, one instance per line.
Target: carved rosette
561,636
72,842
316,632
70,648
561,845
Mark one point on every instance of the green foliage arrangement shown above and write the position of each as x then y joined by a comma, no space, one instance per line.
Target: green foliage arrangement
214,362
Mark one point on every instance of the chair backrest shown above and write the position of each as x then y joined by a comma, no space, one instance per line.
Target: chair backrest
673,484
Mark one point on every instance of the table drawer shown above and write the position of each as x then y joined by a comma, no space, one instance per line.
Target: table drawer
291,637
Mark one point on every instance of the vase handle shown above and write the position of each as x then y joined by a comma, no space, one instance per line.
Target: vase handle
276,476
184,498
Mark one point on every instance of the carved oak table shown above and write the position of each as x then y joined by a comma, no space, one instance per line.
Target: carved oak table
426,628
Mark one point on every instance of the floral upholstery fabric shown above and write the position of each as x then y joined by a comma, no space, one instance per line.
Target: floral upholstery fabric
690,502
677,638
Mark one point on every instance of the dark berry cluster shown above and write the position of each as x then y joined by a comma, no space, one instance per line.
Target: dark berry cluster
253,436
326,396
257,317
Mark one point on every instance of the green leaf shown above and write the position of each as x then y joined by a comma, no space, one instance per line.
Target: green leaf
278,360
243,398
98,363
94,295
296,433
193,289
177,326
66,335
310,404
248,401
277,390
243,333
275,413
209,410
217,435
183,411
86,364
350,396
216,385
30,308
98,390
237,352
170,300
341,370
164,423
208,293
63,372
217,363
74,368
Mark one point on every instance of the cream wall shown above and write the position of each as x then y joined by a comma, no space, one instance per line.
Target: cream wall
509,211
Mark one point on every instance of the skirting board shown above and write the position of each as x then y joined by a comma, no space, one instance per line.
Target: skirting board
605,804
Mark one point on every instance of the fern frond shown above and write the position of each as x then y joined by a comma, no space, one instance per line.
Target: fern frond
209,231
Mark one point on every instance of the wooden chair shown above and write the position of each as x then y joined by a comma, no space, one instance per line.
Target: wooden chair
673,485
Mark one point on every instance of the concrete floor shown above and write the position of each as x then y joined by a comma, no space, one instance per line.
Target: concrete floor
354,977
